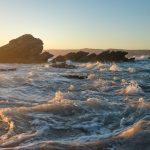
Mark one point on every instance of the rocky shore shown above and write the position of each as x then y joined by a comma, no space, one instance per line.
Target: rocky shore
105,56
27,49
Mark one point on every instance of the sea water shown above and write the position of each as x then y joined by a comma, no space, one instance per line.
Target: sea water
40,107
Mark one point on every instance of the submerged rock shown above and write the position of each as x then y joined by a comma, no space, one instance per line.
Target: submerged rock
75,77
105,56
7,69
24,49
63,65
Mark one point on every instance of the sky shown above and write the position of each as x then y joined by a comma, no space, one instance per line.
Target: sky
74,24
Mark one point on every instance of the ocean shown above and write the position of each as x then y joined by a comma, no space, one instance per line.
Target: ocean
40,108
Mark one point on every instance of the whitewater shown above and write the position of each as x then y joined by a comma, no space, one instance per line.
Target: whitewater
40,108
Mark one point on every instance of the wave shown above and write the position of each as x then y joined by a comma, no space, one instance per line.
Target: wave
142,57
138,133
91,76
41,109
59,116
131,88
115,67
131,70
97,65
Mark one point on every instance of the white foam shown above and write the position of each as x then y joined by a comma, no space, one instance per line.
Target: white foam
131,88
115,67
59,96
101,82
30,74
101,85
134,129
116,78
71,88
103,69
16,140
131,70
93,100
69,62
46,65
122,122
124,82
141,100
96,103
141,57
90,65
97,65
91,77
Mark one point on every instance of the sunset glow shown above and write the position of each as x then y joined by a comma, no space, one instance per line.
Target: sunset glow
63,24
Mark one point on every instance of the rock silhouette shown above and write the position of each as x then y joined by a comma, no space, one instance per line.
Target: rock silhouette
105,56
71,56
24,49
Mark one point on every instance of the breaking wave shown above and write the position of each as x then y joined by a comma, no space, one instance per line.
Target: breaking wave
142,57
42,109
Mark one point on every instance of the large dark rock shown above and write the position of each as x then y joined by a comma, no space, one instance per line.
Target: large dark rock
105,56
113,56
91,57
71,56
24,49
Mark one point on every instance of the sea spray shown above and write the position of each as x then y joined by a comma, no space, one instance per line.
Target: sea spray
52,111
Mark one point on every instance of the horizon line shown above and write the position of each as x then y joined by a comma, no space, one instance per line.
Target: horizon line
93,49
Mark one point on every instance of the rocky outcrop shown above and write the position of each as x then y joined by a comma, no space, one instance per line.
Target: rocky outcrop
105,56
24,49
71,56
113,56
